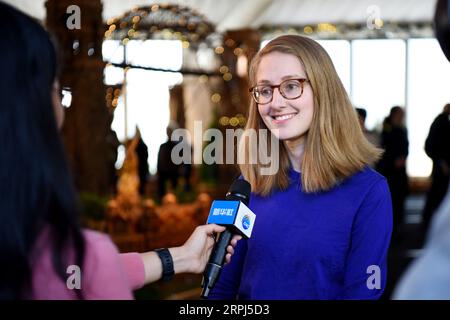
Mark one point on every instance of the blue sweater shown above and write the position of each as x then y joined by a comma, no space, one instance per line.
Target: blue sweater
314,246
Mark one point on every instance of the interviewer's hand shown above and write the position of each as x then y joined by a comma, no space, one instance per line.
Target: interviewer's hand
230,248
191,257
197,249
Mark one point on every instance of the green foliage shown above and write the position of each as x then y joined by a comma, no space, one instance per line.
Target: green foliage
93,206
184,196
209,173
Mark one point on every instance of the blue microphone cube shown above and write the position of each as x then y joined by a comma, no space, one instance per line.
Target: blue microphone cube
232,213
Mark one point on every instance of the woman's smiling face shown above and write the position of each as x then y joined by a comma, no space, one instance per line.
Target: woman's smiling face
288,120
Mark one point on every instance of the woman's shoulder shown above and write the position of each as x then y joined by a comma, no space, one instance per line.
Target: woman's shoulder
92,239
98,243
367,174
366,179
101,255
95,236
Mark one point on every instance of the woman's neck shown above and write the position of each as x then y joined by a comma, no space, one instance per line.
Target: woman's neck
295,149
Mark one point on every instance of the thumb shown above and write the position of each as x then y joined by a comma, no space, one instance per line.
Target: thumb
210,228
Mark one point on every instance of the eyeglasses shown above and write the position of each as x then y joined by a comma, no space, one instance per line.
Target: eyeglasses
289,89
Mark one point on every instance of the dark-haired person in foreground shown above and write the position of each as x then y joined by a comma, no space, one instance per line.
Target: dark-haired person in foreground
39,232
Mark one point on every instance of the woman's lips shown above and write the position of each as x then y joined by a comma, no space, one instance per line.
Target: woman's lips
283,118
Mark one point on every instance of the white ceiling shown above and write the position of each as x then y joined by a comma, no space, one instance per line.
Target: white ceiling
235,14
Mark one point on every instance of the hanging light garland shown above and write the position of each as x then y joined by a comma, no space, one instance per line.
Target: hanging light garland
238,120
163,21
382,30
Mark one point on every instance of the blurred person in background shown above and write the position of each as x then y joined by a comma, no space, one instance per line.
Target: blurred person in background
372,136
394,141
167,170
143,169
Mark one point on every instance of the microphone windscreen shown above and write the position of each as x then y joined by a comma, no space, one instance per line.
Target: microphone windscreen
241,186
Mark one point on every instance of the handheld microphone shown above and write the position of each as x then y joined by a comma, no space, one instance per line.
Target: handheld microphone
238,218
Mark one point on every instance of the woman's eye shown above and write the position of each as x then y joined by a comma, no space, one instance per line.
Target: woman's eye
292,86
266,92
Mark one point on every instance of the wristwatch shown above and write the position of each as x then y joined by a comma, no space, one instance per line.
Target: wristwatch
167,263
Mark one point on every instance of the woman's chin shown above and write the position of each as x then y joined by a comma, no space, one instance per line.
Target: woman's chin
289,137
294,140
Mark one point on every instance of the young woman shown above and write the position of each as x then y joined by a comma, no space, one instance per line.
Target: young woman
39,233
324,220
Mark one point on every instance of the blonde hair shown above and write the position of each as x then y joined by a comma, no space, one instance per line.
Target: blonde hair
335,146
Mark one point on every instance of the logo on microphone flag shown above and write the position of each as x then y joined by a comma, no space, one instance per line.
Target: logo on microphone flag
246,222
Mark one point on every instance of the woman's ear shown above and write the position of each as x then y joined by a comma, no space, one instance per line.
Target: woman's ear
57,106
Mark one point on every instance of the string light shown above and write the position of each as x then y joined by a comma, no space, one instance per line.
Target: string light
230,43
237,51
242,120
216,98
308,30
203,78
112,97
224,121
379,23
223,69
185,44
227,76
326,27
234,122
219,50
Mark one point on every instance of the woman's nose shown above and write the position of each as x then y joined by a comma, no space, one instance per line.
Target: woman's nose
278,101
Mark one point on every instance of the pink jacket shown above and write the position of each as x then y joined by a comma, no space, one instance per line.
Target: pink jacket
106,274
